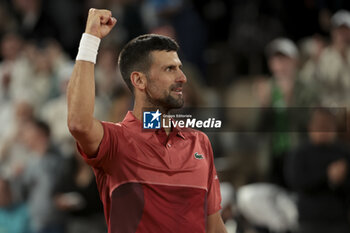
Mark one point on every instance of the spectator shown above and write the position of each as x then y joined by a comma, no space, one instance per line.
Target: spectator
189,28
13,154
319,172
14,217
41,79
34,23
285,88
11,46
279,94
312,49
41,178
333,70
78,197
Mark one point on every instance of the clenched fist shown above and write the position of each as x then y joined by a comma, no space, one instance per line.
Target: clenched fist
99,22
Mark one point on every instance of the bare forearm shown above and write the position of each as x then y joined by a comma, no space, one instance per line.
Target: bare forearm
215,224
81,96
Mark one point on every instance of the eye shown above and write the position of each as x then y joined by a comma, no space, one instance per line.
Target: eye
170,68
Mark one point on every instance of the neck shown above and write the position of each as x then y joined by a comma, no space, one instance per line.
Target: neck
138,111
139,105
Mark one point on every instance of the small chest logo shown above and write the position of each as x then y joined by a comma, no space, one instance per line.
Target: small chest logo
198,156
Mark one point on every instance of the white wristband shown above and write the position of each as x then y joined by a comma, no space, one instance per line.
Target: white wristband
88,48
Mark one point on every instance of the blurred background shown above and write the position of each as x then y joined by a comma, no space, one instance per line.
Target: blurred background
274,54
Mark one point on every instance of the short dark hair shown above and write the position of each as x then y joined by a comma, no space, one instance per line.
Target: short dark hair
135,56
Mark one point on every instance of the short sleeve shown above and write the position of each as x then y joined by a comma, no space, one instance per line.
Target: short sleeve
214,195
107,148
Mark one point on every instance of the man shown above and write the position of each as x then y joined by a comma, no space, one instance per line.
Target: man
41,177
332,73
318,171
279,93
14,217
283,92
148,181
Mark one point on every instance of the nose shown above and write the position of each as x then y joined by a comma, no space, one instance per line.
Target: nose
182,77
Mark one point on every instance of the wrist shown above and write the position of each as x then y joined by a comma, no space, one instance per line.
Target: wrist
88,48
92,32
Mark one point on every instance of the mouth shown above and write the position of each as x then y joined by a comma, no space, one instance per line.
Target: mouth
177,90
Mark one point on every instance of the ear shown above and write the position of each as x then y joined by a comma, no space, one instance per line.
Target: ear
138,80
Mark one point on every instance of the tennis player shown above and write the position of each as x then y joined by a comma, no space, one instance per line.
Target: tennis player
162,181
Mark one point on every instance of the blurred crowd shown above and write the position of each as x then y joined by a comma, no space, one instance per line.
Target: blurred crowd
268,55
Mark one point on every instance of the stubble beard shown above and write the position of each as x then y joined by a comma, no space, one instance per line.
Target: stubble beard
167,102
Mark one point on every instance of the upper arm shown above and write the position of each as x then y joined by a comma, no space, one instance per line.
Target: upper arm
89,140
215,224
87,131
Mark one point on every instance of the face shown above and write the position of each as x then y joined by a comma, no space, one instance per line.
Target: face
165,80
10,47
30,135
341,35
322,128
282,66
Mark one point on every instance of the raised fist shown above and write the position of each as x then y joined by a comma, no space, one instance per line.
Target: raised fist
99,22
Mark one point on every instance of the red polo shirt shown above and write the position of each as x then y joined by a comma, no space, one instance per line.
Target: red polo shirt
153,183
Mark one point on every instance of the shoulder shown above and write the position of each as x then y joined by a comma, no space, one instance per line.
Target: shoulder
111,124
118,131
194,134
112,127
